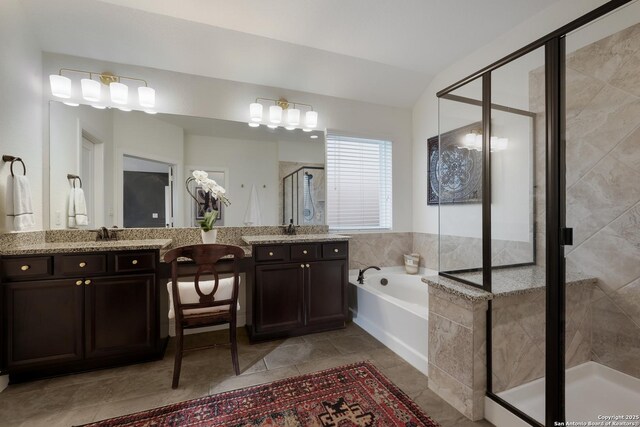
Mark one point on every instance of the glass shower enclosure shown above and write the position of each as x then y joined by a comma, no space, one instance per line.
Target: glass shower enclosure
536,174
304,192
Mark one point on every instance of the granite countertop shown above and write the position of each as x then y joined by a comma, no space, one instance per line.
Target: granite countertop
81,247
505,282
273,239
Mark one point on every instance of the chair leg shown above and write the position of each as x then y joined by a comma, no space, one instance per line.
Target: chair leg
178,360
234,346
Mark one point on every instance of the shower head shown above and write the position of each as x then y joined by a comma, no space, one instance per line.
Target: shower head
308,175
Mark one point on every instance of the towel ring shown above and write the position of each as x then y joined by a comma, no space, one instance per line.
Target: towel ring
73,178
14,159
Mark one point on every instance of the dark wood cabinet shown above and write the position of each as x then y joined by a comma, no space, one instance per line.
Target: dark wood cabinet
43,322
298,290
60,324
324,290
119,315
279,297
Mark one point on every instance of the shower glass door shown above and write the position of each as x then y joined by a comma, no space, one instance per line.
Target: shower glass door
602,121
517,157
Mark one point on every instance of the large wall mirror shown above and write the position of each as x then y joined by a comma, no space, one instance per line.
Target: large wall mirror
133,167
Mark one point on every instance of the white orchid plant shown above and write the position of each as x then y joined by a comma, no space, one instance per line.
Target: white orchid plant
213,192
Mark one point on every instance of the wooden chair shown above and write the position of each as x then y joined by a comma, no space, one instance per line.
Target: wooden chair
214,301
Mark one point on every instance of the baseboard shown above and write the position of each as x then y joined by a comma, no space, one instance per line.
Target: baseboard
4,382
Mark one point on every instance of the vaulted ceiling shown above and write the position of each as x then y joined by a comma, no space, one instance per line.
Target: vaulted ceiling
380,51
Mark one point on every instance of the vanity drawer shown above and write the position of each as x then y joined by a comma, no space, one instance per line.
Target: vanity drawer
335,250
81,264
26,268
272,253
304,252
136,261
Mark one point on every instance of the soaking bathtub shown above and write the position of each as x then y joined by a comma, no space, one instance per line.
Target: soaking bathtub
396,314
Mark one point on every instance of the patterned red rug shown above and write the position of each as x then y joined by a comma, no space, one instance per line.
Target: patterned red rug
352,395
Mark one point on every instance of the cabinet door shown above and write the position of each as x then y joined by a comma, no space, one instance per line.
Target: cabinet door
326,291
43,322
120,315
279,297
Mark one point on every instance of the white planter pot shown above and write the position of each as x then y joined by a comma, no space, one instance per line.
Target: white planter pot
209,237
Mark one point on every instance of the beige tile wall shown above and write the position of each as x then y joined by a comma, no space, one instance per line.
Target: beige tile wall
603,191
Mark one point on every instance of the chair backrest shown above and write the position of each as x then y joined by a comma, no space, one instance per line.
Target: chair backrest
205,256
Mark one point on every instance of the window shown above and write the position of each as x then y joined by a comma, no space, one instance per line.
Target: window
358,183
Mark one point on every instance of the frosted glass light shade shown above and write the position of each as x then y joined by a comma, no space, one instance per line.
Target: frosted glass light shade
60,86
255,112
146,97
275,114
254,124
293,117
311,119
90,90
119,93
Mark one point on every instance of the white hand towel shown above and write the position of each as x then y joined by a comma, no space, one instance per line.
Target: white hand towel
252,216
80,207
8,204
77,214
19,206
71,209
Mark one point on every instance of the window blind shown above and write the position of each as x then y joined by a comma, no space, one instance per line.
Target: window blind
358,183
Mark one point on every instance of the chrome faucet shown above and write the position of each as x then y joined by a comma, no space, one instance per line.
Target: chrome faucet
103,233
360,279
290,229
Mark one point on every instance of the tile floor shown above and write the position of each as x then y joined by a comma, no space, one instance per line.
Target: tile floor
82,398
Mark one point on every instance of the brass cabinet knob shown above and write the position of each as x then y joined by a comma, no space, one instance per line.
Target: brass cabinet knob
304,252
270,253
78,282
134,262
87,282
25,267
82,264
301,265
307,265
336,250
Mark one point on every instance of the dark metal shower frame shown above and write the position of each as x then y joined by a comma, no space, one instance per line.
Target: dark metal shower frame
556,234
295,172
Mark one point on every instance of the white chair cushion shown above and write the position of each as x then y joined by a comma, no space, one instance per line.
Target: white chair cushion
188,294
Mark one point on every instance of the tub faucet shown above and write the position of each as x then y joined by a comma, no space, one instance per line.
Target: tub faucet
361,273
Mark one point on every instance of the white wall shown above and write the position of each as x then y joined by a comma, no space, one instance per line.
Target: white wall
246,162
21,102
222,99
141,135
302,151
425,112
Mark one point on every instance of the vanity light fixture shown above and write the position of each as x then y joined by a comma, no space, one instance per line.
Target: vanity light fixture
283,113
473,141
92,90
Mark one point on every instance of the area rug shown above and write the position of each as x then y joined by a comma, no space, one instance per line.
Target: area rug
351,395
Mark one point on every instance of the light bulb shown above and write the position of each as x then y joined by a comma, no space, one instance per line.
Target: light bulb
293,117
146,97
90,90
60,86
119,93
275,114
311,119
255,112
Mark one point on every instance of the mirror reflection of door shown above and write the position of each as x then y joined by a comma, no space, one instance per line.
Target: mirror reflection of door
87,172
147,193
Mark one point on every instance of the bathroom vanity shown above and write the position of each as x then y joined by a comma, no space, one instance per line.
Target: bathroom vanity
300,285
88,307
